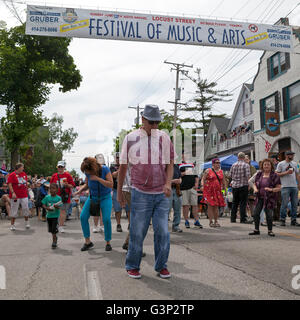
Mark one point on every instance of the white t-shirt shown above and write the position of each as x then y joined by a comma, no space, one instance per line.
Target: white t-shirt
288,181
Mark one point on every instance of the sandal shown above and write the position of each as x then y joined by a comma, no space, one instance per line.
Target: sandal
271,234
212,225
217,225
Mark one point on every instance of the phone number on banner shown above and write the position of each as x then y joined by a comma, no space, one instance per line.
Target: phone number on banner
44,29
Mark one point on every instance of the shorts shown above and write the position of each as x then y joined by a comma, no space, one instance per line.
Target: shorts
2,204
30,204
52,225
116,204
15,203
190,197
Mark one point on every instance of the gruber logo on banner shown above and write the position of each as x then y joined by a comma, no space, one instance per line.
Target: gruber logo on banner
272,124
112,25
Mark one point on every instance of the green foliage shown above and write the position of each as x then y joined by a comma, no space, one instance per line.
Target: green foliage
48,144
202,104
28,66
63,139
167,122
119,139
73,173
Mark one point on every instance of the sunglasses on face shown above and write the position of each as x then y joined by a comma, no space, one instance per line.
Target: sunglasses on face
153,122
60,167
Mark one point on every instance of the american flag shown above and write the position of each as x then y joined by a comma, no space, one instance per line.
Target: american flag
268,146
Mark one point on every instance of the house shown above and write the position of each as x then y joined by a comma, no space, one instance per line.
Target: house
276,97
231,136
217,127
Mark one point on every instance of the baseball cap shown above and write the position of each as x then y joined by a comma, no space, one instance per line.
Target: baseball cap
46,184
61,164
289,153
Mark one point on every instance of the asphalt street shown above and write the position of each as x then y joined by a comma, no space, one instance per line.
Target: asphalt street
209,264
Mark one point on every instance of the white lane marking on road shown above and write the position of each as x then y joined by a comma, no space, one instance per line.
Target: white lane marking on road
92,288
2,278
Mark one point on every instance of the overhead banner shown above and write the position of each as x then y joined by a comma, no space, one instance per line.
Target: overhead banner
86,23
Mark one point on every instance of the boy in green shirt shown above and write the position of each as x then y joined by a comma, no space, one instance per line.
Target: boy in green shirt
52,202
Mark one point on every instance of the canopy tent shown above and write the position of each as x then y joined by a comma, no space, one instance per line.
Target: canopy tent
4,172
227,162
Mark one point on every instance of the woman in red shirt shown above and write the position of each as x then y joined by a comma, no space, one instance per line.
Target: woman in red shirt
17,184
213,182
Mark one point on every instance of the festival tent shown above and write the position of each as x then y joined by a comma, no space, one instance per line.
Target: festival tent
227,162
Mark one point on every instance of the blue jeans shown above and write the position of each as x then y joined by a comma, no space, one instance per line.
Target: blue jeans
289,194
175,203
143,208
73,205
116,204
106,205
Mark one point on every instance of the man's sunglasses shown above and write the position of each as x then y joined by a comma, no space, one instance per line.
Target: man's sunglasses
153,122
61,167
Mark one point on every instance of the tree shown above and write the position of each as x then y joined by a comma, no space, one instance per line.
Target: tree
44,147
74,173
28,66
206,97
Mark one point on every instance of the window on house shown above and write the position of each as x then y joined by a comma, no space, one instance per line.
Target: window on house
294,95
214,140
278,64
269,104
247,108
291,101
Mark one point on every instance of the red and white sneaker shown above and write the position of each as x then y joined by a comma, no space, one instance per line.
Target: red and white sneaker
165,274
134,273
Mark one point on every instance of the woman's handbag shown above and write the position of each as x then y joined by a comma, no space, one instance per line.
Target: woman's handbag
95,204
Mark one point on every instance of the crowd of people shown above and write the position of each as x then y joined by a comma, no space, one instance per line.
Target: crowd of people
240,130
148,191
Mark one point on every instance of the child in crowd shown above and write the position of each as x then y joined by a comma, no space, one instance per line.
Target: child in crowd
52,203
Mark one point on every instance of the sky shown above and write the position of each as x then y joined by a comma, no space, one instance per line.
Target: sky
119,74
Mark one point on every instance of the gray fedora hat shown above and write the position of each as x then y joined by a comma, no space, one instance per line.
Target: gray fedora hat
151,113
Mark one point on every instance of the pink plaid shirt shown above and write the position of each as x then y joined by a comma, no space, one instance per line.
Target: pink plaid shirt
240,174
148,157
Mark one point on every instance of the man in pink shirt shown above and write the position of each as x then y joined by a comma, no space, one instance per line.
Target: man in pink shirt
150,154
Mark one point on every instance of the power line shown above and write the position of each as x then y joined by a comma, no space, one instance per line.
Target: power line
224,66
225,73
293,10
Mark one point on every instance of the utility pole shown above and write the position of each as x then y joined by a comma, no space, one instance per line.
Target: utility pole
179,69
137,108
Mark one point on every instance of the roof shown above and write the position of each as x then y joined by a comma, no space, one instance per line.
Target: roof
239,100
249,86
221,124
